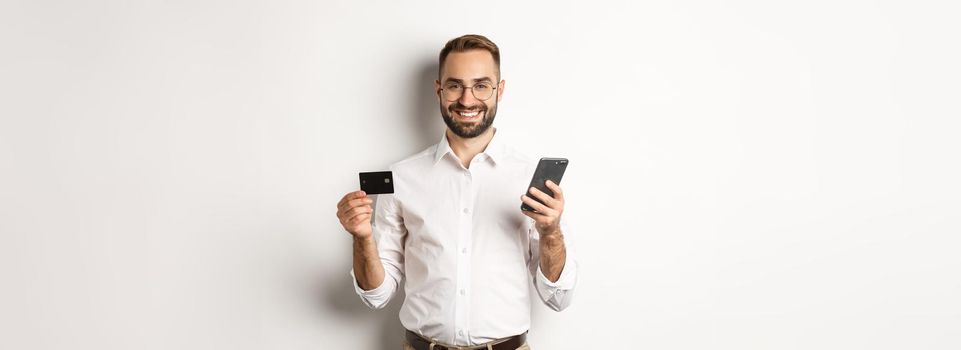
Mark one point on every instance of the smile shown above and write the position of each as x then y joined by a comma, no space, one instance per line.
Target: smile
468,114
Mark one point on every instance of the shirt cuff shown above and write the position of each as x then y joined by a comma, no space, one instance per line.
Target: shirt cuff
377,294
565,282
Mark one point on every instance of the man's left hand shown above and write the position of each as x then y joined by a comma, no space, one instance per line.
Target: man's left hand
547,219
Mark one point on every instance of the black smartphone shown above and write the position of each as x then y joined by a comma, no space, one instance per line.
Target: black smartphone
378,182
547,169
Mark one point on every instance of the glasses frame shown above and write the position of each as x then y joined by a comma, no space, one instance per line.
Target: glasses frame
472,92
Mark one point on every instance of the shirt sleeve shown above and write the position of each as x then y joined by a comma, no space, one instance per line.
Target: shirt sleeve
556,295
389,233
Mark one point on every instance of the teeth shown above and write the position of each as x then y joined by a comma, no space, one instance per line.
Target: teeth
471,114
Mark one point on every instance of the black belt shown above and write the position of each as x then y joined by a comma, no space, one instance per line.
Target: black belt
512,343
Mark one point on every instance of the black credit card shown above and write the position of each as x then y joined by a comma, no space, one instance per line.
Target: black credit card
378,182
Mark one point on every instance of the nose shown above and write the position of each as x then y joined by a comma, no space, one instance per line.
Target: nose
467,98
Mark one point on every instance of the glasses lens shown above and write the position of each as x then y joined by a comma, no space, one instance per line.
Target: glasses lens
452,92
483,91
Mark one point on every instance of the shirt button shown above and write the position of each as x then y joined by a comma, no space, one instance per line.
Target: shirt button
463,250
466,211
463,292
460,332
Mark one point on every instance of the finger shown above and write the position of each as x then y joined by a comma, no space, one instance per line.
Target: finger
357,211
359,202
344,208
359,219
354,195
558,192
536,205
540,220
529,214
351,200
544,197
534,215
356,220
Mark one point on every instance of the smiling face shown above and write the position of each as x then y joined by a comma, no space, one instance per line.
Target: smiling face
467,116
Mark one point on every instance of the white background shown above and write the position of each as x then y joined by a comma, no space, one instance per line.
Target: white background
744,175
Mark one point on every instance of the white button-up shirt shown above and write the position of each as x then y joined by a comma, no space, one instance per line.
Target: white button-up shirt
467,252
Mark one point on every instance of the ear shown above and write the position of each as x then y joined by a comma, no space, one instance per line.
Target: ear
437,88
500,89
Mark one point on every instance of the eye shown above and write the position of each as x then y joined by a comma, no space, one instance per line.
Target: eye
453,86
482,86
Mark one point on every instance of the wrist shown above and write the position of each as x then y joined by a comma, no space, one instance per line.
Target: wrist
552,237
365,239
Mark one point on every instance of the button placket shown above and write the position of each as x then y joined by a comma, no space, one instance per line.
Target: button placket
465,239
461,303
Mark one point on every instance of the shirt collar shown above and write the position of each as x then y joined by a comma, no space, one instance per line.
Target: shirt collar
494,150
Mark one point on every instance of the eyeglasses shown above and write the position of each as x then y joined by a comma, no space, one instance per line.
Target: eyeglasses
482,91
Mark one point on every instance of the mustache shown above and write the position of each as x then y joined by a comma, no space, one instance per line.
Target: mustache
456,105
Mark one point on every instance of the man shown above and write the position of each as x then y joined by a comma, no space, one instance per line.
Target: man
454,228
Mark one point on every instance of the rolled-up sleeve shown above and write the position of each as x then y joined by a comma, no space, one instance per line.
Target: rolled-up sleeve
390,233
556,295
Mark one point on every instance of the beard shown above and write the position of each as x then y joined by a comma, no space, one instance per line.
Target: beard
468,130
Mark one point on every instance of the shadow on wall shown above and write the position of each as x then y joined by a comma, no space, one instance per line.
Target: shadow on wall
425,109
342,299
427,129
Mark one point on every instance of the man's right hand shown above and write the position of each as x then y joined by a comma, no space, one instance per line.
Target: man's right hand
354,212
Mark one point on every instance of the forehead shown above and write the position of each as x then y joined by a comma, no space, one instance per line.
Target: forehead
469,65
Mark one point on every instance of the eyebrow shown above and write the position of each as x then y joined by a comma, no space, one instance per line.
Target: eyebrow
475,80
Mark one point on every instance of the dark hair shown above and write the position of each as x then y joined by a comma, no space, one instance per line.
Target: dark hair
466,43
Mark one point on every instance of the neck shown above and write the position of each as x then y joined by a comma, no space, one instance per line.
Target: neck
467,148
